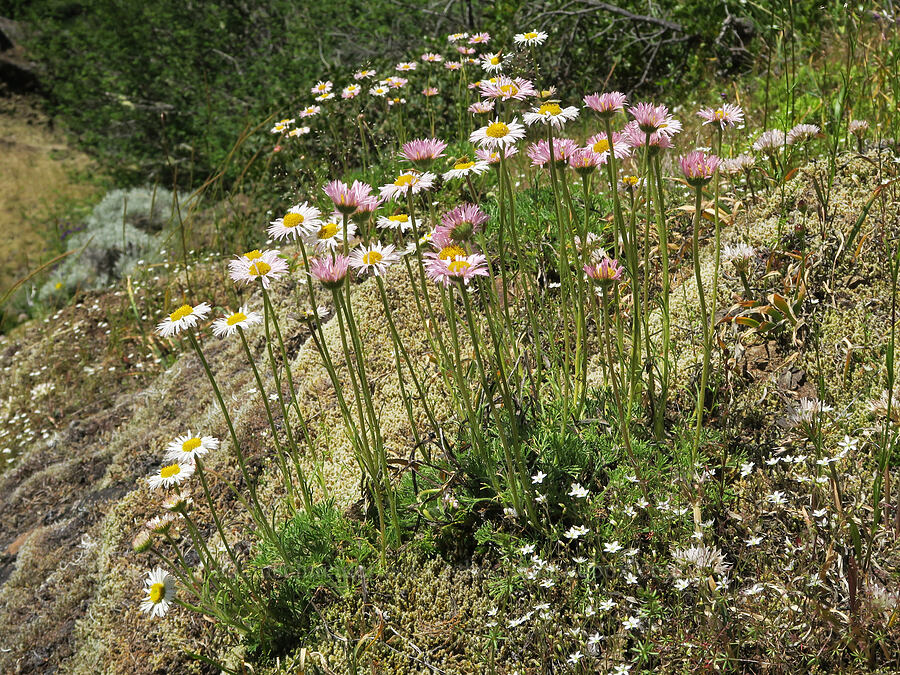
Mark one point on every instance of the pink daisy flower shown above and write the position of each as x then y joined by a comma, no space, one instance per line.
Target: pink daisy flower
637,138
466,51
347,199
331,272
430,91
585,161
493,156
423,151
350,91
480,39
480,107
539,152
606,104
655,119
605,273
506,88
452,65
460,269
802,132
431,57
396,82
698,167
462,222
726,116
265,266
310,110
769,142
364,74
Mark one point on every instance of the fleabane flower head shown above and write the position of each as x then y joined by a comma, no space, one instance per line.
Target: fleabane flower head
374,258
802,132
607,104
325,97
492,157
159,592
464,168
563,148
428,92
551,113
178,502
605,273
739,255
364,74
698,167
171,474
739,164
322,87
347,199
351,91
423,151
228,325
637,138
585,161
630,184
292,224
452,65
506,88
462,222
480,39
726,116
330,236
498,134
381,91
406,66
531,38
310,111
282,126
395,82
492,63
298,132
411,181
398,221
599,143
431,57
770,142
459,269
481,107
331,272
456,37
858,127
655,119
184,317
265,267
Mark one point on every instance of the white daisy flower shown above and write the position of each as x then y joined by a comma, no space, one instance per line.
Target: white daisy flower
535,37
399,221
298,132
265,266
465,168
380,91
159,587
171,474
492,63
228,325
325,97
498,134
373,258
411,180
551,113
310,111
299,217
187,447
321,87
329,235
184,317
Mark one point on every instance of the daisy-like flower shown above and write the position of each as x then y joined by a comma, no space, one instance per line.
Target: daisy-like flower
310,111
739,255
351,91
431,57
599,143
322,87
655,119
331,272
298,132
142,541
636,138
802,132
456,37
171,474
465,168
563,148
585,161
395,82
460,269
406,66
726,116
770,142
498,134
380,91
492,157
856,127
492,63
265,266
161,523
184,317
347,199
330,236
398,221
428,92
228,325
480,107
396,101
534,37
461,222
423,151
551,113
364,74
159,589
325,97
739,164
294,221
480,39
605,273
606,104
452,65
698,167
410,181
506,88
282,126
374,258
178,502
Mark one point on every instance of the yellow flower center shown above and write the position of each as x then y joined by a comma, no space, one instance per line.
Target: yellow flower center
328,230
372,257
630,180
157,592
169,471
601,146
530,36
58,285
405,180
509,89
253,255
720,114
292,220
462,166
399,218
497,130
546,92
458,266
259,268
549,109
237,317
181,312
495,60
192,444
452,251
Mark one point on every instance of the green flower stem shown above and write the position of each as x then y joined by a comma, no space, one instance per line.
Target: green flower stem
612,173
187,577
704,319
659,420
